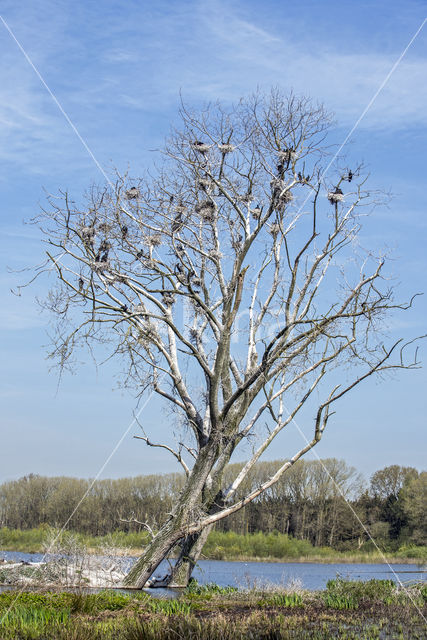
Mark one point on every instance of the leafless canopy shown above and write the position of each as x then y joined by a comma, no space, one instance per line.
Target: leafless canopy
233,283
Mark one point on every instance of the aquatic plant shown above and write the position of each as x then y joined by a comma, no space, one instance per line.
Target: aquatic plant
282,600
208,589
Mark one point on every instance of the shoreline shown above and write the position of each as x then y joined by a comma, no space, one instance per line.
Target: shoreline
368,558
332,559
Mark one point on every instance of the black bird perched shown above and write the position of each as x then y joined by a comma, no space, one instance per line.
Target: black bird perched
300,176
104,246
140,254
81,283
179,251
178,267
350,175
104,256
124,231
124,307
280,168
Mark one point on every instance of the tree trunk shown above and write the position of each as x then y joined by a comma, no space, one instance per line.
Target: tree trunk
191,548
175,528
190,553
156,551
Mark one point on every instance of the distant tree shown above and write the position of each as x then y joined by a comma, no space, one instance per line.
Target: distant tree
231,282
413,497
390,480
386,487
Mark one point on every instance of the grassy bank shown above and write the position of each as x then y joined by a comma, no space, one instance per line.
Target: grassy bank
346,610
280,547
274,547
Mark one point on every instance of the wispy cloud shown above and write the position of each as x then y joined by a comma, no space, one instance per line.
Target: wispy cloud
344,79
102,66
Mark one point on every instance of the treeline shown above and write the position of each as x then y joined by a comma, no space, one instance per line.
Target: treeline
324,502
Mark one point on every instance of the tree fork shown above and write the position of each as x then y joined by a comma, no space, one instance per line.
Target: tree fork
156,551
191,549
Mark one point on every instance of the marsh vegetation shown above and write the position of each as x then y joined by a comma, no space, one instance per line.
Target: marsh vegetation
347,610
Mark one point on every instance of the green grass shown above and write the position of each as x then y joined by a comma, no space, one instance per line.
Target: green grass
33,540
345,610
279,546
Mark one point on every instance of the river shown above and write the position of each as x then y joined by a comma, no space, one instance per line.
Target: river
309,575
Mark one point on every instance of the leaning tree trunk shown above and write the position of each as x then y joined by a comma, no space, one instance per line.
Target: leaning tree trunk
156,551
180,574
191,549
174,529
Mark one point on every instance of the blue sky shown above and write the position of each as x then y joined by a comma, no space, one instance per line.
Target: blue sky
117,69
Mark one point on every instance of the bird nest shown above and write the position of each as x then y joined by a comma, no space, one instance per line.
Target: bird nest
104,227
281,200
196,282
155,240
132,193
176,225
277,185
200,147
168,299
88,233
286,197
149,330
100,266
288,156
204,184
224,147
274,228
194,336
335,196
206,210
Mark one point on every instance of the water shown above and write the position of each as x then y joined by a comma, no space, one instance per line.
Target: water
310,575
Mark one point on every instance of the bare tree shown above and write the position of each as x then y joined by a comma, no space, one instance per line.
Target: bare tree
232,282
